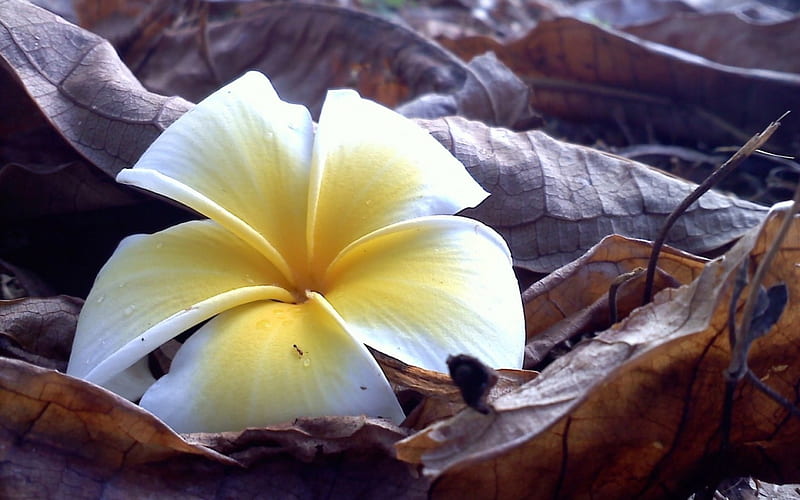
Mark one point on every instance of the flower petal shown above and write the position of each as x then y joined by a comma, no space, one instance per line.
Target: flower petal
372,167
156,286
269,362
424,289
241,157
133,381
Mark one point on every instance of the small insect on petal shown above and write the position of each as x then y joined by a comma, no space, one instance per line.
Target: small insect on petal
474,379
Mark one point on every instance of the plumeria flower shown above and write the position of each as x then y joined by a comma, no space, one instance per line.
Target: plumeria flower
316,245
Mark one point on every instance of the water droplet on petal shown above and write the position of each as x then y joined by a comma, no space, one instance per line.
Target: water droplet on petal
306,362
249,278
101,298
129,310
121,285
368,202
159,245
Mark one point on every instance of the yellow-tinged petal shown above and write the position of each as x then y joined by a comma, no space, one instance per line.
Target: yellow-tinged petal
431,287
266,363
371,168
241,157
155,287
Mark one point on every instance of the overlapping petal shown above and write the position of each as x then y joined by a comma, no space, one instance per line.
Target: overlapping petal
156,286
266,363
241,157
424,289
373,167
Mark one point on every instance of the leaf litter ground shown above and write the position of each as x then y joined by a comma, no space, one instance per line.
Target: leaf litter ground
633,411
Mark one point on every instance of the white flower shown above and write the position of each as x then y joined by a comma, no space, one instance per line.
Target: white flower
315,244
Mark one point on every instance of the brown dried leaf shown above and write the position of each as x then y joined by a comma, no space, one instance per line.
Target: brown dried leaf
41,175
47,412
26,137
115,20
582,72
729,39
624,13
305,439
39,330
78,82
305,49
636,411
552,201
51,200
573,300
491,94
32,191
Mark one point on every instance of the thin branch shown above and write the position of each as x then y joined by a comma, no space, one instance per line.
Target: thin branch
769,391
716,176
614,287
741,348
741,338
738,288
730,384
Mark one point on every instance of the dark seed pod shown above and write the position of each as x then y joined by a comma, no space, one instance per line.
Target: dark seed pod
474,379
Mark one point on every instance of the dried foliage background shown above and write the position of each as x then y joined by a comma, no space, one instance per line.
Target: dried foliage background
586,120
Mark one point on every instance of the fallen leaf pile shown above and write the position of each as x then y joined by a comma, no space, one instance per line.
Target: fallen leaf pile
635,411
616,399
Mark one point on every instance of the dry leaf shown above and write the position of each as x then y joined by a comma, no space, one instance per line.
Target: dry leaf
305,439
28,192
118,20
305,49
573,301
491,94
81,86
625,13
41,175
26,136
39,330
504,20
729,39
59,418
66,438
552,201
586,73
60,79
636,411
